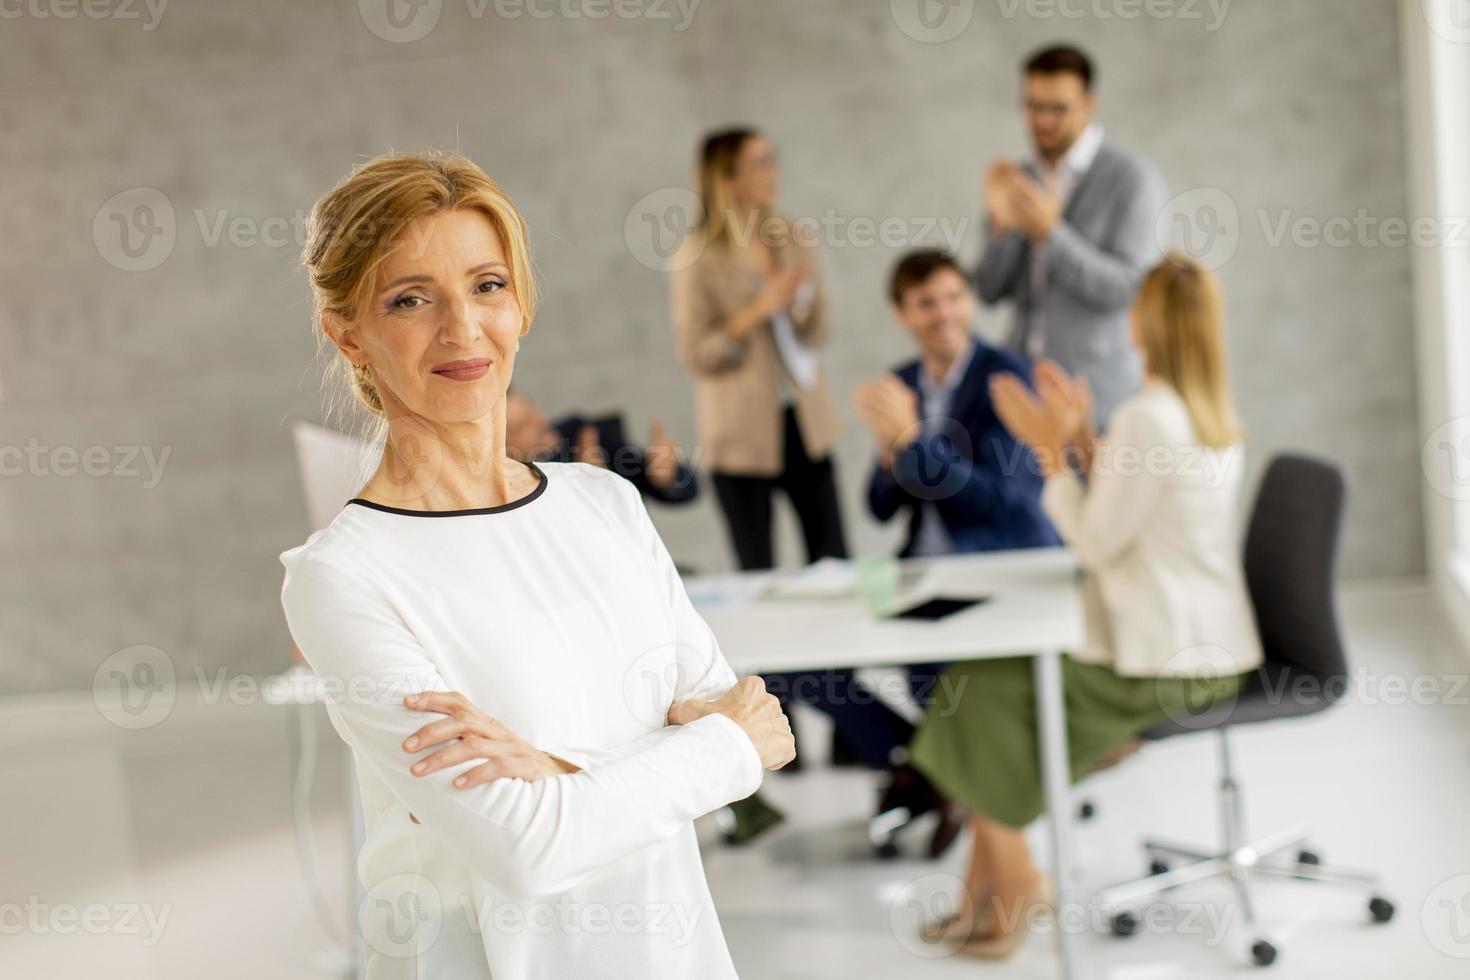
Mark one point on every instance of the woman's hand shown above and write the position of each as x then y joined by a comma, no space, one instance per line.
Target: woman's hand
1069,400
757,712
465,733
1031,420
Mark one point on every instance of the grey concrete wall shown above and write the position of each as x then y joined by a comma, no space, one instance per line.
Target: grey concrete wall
232,117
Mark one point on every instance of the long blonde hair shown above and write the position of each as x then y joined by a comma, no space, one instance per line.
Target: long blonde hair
718,157
1180,312
351,232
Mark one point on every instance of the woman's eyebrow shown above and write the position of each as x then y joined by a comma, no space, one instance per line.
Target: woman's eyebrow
403,280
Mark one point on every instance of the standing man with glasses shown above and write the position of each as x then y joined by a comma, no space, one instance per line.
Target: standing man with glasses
1070,233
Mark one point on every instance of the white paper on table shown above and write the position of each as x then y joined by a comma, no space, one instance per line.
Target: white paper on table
826,578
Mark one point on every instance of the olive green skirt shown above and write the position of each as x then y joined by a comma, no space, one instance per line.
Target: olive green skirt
978,743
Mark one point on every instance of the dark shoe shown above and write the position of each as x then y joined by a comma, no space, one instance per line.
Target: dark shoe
906,798
744,820
951,821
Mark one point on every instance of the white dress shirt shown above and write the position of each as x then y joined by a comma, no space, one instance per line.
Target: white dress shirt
1154,526
1062,180
561,616
935,400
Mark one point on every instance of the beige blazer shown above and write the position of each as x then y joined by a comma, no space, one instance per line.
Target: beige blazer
737,386
1154,527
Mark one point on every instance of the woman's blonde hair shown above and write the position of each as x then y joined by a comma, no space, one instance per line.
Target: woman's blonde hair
718,157
1180,313
352,231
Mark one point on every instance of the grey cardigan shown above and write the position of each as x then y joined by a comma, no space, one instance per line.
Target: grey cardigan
1095,259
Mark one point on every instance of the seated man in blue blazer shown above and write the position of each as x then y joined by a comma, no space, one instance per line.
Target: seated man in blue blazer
944,457
965,484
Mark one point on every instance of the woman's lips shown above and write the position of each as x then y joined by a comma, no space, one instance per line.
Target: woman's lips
463,370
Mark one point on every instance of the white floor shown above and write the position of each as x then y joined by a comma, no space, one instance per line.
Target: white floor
169,853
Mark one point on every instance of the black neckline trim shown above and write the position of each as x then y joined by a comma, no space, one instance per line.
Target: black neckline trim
498,509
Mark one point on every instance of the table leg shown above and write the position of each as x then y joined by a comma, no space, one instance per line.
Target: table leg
1056,777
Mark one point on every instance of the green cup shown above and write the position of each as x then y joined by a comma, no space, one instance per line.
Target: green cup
878,582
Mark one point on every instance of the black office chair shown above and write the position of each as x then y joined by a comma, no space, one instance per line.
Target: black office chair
1290,553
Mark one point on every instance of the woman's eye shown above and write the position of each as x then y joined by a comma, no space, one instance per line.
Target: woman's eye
407,302
491,286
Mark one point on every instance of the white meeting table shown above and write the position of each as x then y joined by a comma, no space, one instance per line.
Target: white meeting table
1034,609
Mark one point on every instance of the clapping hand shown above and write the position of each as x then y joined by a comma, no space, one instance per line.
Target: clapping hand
1052,420
1035,209
996,193
890,410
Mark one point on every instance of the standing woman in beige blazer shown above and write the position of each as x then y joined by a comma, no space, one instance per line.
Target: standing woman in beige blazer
750,318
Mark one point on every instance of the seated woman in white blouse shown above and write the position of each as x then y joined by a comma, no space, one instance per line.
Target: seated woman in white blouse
536,712
1149,511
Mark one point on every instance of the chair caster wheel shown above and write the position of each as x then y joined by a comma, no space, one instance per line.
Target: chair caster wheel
1124,924
1263,953
1308,857
1086,811
1158,867
887,851
1380,908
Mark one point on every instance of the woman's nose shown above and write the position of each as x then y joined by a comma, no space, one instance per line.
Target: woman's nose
461,324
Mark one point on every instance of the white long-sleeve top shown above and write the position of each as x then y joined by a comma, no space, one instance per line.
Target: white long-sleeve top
1154,527
560,615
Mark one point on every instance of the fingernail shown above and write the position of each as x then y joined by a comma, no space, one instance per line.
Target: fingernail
459,780
418,767
412,700
412,743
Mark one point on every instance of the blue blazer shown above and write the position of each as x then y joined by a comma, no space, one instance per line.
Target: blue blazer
985,484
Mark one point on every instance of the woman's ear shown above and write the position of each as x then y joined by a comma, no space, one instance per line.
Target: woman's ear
341,337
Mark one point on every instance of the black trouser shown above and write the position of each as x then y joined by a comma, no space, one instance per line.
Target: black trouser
810,485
